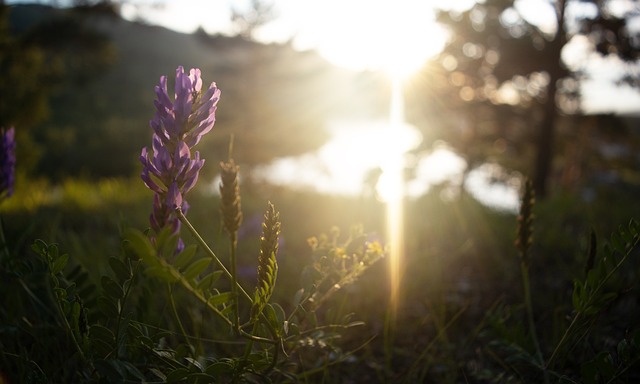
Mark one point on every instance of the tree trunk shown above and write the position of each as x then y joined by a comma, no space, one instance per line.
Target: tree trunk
556,71
544,155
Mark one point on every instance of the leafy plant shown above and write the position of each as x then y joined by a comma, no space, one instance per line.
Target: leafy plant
519,351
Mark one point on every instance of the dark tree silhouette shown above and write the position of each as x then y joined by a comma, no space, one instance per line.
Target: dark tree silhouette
496,57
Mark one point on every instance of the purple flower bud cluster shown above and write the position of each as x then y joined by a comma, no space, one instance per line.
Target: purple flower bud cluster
170,169
7,162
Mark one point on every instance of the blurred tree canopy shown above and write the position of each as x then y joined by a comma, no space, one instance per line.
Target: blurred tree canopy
41,56
511,80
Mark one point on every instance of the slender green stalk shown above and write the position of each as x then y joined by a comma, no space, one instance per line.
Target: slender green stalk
526,284
200,296
249,346
174,311
524,240
563,340
215,258
207,249
247,352
234,283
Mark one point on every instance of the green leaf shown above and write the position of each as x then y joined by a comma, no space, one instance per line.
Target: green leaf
53,251
177,375
610,262
195,363
226,310
624,351
221,298
626,236
280,314
200,377
61,293
184,257
102,339
119,268
131,369
634,227
604,364
162,272
293,329
59,264
75,315
275,316
355,324
209,280
39,247
141,245
108,370
297,298
617,243
219,368
158,374
100,348
167,242
107,307
196,268
111,288
593,277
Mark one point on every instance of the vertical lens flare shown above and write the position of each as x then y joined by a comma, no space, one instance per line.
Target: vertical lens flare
391,189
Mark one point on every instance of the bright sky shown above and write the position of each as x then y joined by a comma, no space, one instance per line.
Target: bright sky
393,35
397,36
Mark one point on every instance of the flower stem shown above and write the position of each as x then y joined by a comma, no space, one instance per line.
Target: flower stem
526,284
234,283
207,249
215,258
174,311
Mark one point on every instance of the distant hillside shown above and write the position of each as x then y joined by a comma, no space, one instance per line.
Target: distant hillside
275,100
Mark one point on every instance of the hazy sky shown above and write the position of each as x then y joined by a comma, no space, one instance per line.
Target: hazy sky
371,34
362,34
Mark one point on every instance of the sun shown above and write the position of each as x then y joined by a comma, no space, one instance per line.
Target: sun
397,37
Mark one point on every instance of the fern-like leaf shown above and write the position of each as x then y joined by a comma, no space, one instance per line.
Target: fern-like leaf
267,263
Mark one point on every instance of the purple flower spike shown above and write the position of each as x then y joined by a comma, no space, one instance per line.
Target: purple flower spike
191,115
169,169
7,162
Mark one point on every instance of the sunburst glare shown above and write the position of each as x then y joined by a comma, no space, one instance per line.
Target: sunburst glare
396,37
392,184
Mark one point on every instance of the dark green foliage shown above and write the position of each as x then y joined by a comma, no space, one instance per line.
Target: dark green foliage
581,352
445,334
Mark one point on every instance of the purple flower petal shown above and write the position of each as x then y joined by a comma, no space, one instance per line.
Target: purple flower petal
168,168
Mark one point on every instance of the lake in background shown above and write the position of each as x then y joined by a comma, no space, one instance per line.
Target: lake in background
349,164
